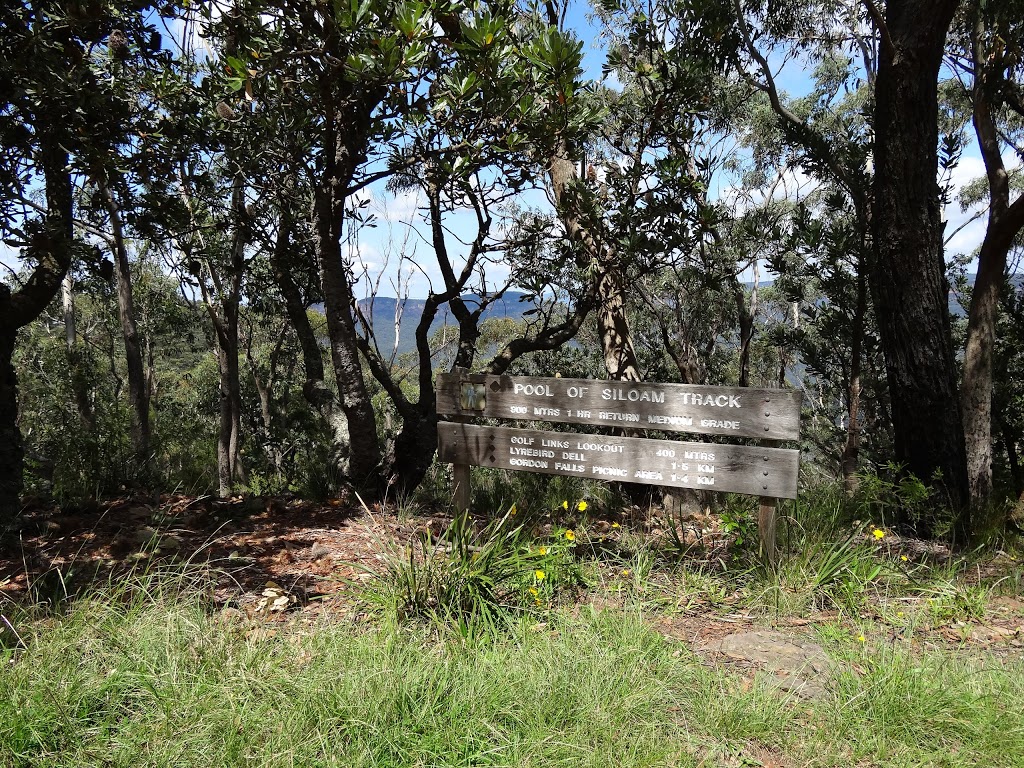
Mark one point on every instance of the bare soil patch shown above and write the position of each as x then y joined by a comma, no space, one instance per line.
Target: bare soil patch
313,552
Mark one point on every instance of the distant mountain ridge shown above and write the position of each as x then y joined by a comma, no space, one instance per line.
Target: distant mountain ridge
381,312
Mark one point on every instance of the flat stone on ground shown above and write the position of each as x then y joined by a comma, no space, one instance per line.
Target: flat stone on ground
798,665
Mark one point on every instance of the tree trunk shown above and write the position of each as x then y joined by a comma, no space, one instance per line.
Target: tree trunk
976,388
364,451
222,307
415,445
229,464
11,452
138,393
224,474
911,296
52,251
745,317
1005,220
79,378
347,111
312,361
1010,440
613,325
851,450
269,412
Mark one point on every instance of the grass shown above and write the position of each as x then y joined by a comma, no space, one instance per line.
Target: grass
154,676
469,657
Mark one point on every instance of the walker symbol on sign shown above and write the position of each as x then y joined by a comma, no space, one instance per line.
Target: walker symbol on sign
474,397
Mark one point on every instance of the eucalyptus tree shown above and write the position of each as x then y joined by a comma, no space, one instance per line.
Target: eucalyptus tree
214,259
824,134
883,155
202,207
911,295
56,112
115,212
236,222
820,258
627,198
987,54
470,134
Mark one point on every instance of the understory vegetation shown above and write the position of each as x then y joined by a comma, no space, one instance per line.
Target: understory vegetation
569,634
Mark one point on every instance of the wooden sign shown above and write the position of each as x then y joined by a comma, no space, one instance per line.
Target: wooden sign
715,467
767,414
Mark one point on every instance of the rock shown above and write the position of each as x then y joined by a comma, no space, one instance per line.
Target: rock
318,550
988,635
797,664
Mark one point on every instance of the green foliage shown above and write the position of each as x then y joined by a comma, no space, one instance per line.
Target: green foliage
893,495
461,579
740,526
844,570
219,154
68,455
823,573
951,600
539,498
71,458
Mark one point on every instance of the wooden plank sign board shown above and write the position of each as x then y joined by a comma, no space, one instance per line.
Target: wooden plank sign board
766,414
715,467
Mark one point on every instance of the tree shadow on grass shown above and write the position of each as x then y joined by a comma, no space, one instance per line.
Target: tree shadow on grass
307,548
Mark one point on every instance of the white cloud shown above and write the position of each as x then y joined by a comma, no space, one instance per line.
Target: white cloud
793,184
965,229
403,207
9,258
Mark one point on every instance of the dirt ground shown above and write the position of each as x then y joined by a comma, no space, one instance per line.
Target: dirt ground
284,559
317,554
311,552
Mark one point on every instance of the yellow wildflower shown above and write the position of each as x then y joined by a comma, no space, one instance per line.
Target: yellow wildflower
570,536
565,505
878,533
543,550
533,591
904,558
539,575
861,639
512,510
616,525
582,506
626,572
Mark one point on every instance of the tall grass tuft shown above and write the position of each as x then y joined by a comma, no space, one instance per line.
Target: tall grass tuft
471,580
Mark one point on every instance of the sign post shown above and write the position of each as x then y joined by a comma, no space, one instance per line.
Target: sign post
768,416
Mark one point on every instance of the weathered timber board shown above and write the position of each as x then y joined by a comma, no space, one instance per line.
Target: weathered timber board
732,468
770,414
